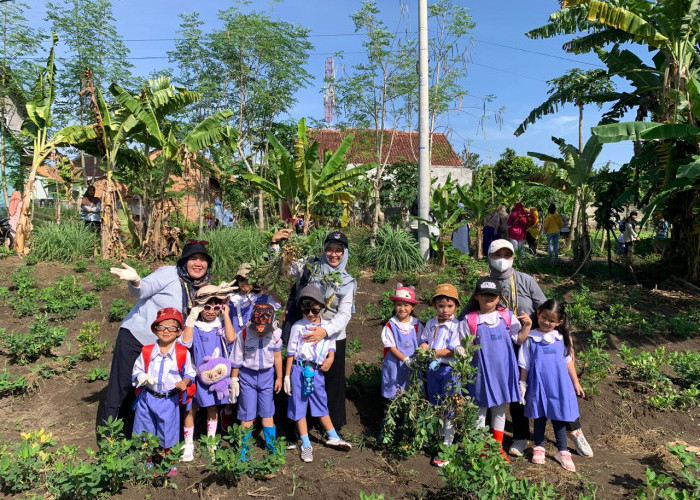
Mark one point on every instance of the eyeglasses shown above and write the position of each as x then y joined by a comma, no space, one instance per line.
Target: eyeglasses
314,310
164,328
215,308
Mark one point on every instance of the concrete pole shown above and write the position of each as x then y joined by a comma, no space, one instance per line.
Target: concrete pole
423,131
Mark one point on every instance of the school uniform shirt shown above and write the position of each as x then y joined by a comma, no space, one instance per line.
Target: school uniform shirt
254,352
163,367
308,351
444,336
491,320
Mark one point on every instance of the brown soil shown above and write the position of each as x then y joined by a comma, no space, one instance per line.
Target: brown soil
626,434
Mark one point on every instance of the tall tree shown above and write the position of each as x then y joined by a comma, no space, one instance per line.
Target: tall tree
261,62
19,42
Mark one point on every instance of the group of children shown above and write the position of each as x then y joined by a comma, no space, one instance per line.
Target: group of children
542,378
230,351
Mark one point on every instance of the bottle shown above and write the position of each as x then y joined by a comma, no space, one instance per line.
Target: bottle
308,380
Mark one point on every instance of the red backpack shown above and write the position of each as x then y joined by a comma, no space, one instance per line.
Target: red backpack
473,316
180,357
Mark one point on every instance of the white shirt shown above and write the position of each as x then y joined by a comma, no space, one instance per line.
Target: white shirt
308,351
404,328
444,336
524,360
163,368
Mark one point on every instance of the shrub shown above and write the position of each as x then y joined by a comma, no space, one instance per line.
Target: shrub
103,280
11,384
580,311
687,367
65,243
22,464
230,247
119,310
99,373
24,348
645,366
395,250
66,297
80,266
88,346
381,276
594,363
686,325
385,309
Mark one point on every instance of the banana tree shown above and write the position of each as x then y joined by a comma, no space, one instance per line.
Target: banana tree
578,172
307,180
478,205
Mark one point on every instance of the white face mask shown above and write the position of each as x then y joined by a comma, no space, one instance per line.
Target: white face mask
501,265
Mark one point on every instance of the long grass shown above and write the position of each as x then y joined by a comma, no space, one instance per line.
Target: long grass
396,250
231,247
68,242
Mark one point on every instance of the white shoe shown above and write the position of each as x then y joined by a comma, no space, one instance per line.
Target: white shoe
338,444
188,452
581,444
307,454
517,449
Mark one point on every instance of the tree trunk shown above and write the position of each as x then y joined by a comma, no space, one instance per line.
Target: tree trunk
200,207
5,196
573,224
24,226
261,213
161,239
479,229
111,244
377,184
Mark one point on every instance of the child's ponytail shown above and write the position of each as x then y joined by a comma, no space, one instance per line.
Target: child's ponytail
564,327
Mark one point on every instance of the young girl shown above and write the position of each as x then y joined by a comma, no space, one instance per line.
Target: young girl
400,338
494,328
304,379
442,335
206,333
160,373
548,381
257,360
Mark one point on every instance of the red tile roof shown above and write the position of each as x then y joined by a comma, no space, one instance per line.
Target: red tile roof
403,148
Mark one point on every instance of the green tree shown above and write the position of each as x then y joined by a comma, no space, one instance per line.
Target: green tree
477,203
512,167
400,185
19,42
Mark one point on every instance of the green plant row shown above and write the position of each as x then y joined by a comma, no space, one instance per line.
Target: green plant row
66,242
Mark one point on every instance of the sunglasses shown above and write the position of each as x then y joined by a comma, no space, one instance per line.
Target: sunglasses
192,241
164,328
314,310
215,308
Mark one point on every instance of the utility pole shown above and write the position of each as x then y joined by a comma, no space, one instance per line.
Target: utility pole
423,131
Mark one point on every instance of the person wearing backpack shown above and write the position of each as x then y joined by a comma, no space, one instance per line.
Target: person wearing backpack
162,376
629,235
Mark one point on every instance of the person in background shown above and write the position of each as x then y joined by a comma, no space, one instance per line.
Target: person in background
533,230
661,236
552,227
15,210
90,207
565,229
460,237
630,236
492,227
517,226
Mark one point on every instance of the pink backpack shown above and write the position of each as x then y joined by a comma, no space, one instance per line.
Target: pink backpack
473,316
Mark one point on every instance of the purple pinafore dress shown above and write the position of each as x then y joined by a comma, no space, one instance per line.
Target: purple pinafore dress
203,345
394,372
550,391
497,370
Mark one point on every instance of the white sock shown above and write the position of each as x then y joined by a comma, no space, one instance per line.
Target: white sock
211,428
448,431
481,418
498,417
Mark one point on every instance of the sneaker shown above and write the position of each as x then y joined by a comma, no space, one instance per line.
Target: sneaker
188,452
307,454
292,444
581,444
338,444
172,472
538,455
517,449
439,462
564,458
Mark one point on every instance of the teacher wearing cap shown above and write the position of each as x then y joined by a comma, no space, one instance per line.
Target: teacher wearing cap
523,295
170,286
339,295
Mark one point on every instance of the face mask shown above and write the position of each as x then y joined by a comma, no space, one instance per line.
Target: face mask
501,265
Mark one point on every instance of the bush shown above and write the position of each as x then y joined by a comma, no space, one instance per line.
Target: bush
385,309
230,247
66,298
24,348
119,310
11,384
80,266
594,363
68,242
381,276
88,345
396,250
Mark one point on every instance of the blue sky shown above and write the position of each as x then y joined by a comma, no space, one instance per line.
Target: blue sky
504,62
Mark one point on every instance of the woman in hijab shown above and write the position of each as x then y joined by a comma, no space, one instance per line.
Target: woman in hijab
517,226
90,207
168,286
328,273
15,210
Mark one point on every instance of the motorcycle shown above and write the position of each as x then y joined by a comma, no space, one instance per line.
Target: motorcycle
6,238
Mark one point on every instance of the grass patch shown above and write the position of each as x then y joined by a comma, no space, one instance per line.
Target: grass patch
66,243
396,250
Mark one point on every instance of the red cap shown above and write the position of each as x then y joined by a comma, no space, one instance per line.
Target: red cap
404,294
167,313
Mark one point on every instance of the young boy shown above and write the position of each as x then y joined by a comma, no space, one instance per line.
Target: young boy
161,373
248,294
304,380
256,371
442,335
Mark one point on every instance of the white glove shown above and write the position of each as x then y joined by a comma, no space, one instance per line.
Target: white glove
193,316
287,385
523,391
145,378
126,274
460,352
234,389
408,361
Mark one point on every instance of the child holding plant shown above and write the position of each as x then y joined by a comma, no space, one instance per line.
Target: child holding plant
304,376
161,373
441,334
548,381
210,338
400,338
495,328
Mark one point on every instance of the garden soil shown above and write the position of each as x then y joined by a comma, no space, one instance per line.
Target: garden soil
626,434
